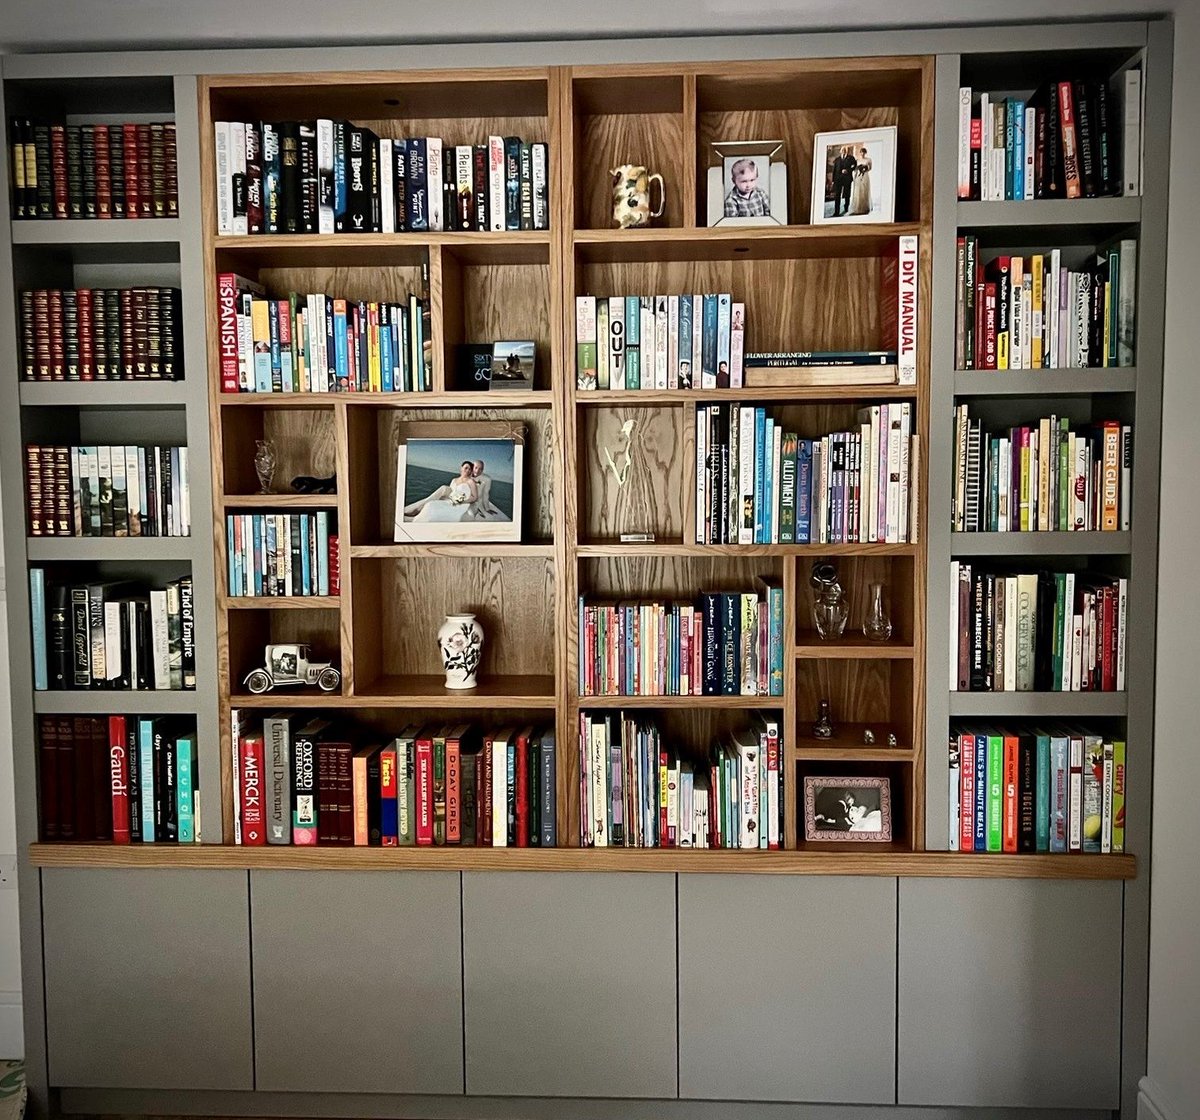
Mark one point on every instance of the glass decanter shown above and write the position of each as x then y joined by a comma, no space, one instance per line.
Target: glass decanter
830,610
265,461
877,626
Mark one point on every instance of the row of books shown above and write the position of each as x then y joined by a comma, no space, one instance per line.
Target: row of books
334,176
1057,790
1033,313
121,170
637,792
124,778
725,644
1043,476
303,780
271,554
659,342
105,491
1036,631
1071,139
319,344
759,484
101,334
112,634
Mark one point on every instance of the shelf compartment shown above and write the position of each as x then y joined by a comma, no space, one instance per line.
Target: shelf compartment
756,703
843,860
876,694
1043,382
1040,544
855,649
111,548
428,691
305,444
1050,212
117,701
807,752
544,550
1066,705
874,763
102,394
255,623
856,574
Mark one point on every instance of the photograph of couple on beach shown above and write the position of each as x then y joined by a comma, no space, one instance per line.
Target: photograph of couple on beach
458,489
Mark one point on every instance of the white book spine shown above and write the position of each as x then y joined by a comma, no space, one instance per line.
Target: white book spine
661,342
698,340
776,487
985,149
158,640
496,184
1011,633
748,782
906,318
1030,152
185,495
1076,651
701,459
237,166
1075,805
112,641
747,514
964,142
648,333
672,370
1122,608
433,178
499,748
1131,133
902,493
1068,633
1106,818
598,767
224,172
1126,302
464,176
541,198
891,534
325,175
737,346
1027,321
616,342
387,194
133,491
1050,298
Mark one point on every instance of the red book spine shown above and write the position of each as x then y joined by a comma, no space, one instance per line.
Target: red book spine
1108,677
58,369
989,325
253,828
966,763
335,566
58,170
158,171
483,798
103,172
48,768
145,172
28,338
84,309
424,798
118,763
101,769
133,178
522,791
453,791
66,779
1070,148
980,345
1009,815
764,797
714,814
227,330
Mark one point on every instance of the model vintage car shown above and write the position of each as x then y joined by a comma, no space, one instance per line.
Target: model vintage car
289,664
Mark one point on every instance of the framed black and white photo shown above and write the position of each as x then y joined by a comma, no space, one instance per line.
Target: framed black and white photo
512,364
747,184
850,810
459,481
854,176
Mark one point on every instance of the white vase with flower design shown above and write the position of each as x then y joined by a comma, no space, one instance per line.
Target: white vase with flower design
460,638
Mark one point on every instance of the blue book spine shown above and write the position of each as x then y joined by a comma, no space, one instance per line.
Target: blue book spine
339,169
803,491
633,342
760,427
417,197
305,558
547,799
231,558
769,481
276,356
708,344
341,349
684,380
37,609
385,349
723,329
323,552
1059,792
775,638
981,792
146,777
1042,795
184,803
1018,157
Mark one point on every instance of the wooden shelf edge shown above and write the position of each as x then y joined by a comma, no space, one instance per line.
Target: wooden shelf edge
515,398
679,701
854,861
678,548
451,239
855,651
637,398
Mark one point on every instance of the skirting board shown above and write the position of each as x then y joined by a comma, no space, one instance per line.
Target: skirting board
209,1103
1152,1105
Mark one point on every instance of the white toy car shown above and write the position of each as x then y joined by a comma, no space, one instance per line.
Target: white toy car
289,664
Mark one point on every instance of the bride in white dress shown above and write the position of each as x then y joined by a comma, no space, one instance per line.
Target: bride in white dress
451,503
860,190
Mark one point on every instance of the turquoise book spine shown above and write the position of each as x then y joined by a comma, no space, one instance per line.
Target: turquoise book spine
1042,796
146,777
185,771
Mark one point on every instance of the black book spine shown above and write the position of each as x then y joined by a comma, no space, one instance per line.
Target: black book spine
357,218
187,618
512,183
254,178
400,184
1043,652
272,186
170,790
479,182
1085,129
449,193
141,638
731,639
296,543
289,182
309,200
1039,156
710,652
16,163
1106,141
1026,780
74,139
60,658
1096,315
116,170
374,178
1055,187
42,166
374,808
81,639
125,680
160,782
526,186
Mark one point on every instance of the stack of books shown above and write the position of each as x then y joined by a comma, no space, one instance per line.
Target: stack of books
1031,791
637,792
282,553
334,176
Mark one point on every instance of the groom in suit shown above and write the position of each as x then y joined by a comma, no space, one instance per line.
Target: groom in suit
483,506
843,178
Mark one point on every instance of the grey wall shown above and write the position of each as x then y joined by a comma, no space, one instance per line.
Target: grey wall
1173,1085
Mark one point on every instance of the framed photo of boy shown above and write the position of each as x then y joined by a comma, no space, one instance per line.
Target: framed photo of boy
848,810
459,481
854,176
748,184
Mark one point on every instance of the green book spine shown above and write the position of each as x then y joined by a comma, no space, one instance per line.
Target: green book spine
185,747
1065,474
1118,796
1042,796
439,790
633,342
406,797
995,791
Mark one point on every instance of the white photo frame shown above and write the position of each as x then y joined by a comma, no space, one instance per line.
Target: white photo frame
852,194
767,157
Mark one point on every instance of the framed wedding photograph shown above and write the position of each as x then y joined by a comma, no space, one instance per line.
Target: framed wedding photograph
854,176
459,482
747,184
848,810
512,365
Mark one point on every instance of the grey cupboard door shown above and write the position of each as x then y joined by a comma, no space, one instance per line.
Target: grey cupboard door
787,988
570,984
1010,993
147,978
357,981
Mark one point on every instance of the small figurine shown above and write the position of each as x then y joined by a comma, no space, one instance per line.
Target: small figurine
892,740
289,664
309,484
823,728
868,736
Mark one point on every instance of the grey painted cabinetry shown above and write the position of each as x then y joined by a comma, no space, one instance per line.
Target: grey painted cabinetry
357,981
147,979
1010,993
787,988
569,981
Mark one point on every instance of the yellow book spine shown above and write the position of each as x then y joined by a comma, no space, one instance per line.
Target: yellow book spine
1036,336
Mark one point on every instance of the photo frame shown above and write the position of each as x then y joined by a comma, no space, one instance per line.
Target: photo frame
459,482
769,187
846,810
854,176
513,363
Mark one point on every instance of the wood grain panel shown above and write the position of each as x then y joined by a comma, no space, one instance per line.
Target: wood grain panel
858,692
667,578
856,574
304,444
655,141
462,130
391,283
655,490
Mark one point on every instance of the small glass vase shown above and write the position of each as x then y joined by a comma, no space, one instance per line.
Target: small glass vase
877,626
265,461
830,609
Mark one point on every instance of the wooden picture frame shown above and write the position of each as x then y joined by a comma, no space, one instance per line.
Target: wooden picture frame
847,822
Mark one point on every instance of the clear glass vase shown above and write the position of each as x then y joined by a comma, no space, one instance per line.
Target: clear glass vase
877,626
830,610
